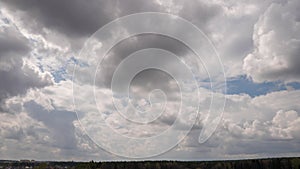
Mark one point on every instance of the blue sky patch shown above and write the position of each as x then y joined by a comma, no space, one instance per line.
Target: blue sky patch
242,84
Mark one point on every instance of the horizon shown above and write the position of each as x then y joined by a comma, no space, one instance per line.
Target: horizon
154,160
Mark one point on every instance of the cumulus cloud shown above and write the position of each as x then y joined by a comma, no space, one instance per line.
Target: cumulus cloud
250,128
16,75
261,122
276,39
47,126
38,40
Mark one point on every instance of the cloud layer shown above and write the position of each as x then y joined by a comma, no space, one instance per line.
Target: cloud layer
40,43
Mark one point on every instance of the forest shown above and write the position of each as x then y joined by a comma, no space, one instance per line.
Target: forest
270,163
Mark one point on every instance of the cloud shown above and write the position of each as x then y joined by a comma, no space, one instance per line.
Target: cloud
133,44
276,38
41,39
59,122
13,44
77,18
231,31
10,129
60,21
20,134
73,18
17,76
44,123
64,16
251,127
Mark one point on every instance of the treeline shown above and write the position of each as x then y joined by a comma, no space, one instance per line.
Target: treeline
274,163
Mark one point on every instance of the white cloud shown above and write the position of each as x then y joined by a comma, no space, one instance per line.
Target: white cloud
276,39
231,31
251,127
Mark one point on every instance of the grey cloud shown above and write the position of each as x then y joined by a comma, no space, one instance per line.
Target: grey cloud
60,123
13,46
147,80
12,43
16,77
151,79
78,18
63,16
70,17
199,12
136,43
18,81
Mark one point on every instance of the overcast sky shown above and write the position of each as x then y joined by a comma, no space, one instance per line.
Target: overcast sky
258,43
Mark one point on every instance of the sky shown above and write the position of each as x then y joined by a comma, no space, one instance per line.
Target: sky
222,71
